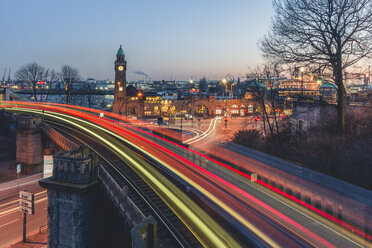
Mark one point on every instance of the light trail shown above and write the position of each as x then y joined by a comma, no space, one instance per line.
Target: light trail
9,223
211,128
16,201
23,184
12,210
199,135
239,217
196,131
322,213
262,204
263,184
205,229
208,194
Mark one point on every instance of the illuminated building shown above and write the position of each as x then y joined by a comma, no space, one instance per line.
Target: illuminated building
150,104
296,87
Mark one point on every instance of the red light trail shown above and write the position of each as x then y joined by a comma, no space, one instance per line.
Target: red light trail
68,109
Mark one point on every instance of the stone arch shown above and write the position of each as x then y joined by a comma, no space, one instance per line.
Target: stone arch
201,110
203,107
133,108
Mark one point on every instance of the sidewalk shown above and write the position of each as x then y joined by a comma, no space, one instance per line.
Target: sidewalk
34,241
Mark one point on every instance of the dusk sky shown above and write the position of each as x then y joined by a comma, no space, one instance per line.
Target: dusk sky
164,38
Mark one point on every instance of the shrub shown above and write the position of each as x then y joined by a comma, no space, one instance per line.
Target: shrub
250,138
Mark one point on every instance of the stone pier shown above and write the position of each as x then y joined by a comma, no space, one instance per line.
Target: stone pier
29,144
72,199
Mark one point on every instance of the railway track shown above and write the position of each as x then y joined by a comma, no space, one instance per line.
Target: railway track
172,232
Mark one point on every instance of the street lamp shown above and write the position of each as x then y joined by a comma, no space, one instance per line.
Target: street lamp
302,69
231,91
224,81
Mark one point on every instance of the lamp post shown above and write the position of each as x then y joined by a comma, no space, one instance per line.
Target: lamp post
141,110
231,91
302,69
224,81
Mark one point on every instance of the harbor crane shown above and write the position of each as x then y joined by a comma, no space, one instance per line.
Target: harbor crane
9,76
4,75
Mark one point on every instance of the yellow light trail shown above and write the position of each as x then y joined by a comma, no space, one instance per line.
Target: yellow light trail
205,229
204,191
226,207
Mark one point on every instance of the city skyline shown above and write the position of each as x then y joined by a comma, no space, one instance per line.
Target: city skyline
166,123
161,39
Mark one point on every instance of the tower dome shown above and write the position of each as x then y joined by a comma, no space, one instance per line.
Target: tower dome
120,52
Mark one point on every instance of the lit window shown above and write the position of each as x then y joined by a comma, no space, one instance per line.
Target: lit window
120,88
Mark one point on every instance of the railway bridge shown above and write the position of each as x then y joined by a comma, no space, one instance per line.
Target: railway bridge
108,169
83,175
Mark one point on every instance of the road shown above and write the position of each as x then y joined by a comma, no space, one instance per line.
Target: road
11,219
10,189
275,219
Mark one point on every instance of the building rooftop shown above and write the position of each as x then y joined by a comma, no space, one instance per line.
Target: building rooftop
328,85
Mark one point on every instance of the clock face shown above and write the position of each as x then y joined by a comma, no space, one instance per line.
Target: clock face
120,68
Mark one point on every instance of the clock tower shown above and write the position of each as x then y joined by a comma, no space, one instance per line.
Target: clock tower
120,82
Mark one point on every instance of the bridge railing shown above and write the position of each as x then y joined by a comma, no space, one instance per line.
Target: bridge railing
143,229
119,195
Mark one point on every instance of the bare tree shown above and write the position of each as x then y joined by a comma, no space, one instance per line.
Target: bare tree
51,77
331,34
266,98
69,75
30,75
91,93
